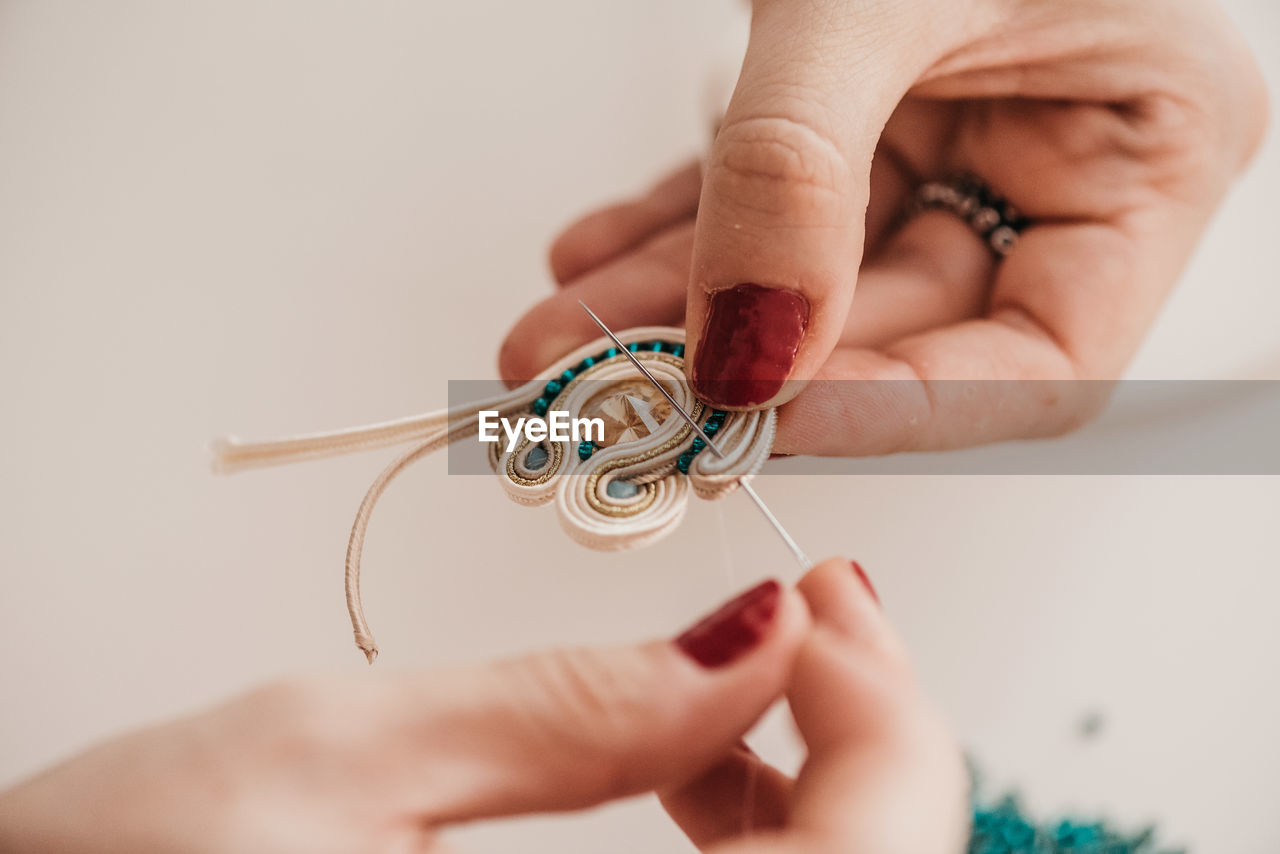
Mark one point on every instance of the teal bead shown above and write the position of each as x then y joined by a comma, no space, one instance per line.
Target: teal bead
710,428
536,458
656,346
621,489
634,346
678,351
683,463
1019,835
610,353
698,445
540,406
553,388
585,363
585,449
567,376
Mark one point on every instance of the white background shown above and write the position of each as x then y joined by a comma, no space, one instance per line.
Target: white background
272,217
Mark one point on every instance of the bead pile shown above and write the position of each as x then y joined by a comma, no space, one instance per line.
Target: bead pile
1004,828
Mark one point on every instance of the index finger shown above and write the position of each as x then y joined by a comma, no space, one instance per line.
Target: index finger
1067,311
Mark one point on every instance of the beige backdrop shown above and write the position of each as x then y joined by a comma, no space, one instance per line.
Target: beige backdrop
268,217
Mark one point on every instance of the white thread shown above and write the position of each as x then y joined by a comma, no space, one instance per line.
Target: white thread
725,549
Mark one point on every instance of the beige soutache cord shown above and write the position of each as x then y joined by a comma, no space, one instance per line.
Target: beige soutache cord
355,544
751,433
231,454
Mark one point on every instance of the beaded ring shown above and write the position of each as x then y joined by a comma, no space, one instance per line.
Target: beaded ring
621,490
989,214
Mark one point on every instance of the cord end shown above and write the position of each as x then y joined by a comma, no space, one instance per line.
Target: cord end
221,451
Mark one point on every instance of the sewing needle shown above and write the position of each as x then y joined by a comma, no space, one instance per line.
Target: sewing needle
742,481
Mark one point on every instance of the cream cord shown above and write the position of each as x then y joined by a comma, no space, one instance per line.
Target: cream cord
587,508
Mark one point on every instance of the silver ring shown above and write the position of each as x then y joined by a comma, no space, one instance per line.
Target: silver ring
989,214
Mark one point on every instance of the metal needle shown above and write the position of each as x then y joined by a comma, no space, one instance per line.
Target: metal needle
746,487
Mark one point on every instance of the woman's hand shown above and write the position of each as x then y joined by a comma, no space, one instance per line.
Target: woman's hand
387,761
1115,126
883,773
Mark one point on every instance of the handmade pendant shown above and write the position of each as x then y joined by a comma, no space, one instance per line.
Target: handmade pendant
625,487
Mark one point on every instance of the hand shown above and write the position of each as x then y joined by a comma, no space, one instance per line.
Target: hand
1115,126
384,762
883,772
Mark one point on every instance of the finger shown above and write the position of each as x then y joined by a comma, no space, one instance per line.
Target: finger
932,271
848,620
737,795
566,730
643,288
712,808
780,222
603,235
888,188
1065,307
853,610
879,757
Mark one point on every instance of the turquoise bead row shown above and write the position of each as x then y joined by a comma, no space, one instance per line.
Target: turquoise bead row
713,425
557,385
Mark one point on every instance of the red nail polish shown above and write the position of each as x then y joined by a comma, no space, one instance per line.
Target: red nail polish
748,344
734,629
866,582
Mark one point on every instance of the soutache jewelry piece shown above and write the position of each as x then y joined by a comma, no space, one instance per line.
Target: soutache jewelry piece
969,197
620,490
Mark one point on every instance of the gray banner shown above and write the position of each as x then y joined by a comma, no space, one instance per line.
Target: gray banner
1146,427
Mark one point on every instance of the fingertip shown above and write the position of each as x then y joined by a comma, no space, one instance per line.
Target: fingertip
832,579
865,580
851,677
777,246
586,243
759,629
835,591
746,351
644,288
842,600
608,233
794,623
792,626
546,332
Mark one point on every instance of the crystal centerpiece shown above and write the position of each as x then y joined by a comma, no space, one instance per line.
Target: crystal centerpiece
630,411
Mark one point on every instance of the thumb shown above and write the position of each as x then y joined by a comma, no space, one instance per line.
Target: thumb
780,223
880,755
570,729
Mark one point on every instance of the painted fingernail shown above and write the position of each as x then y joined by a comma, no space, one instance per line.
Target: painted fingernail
866,582
748,344
730,632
